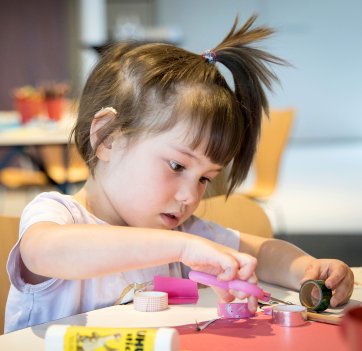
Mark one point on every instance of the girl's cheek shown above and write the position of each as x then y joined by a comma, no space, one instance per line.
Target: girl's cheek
166,180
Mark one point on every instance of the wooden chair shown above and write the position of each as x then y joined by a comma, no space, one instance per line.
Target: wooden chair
9,227
274,137
237,212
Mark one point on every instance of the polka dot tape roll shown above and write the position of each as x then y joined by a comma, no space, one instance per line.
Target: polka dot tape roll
150,301
234,310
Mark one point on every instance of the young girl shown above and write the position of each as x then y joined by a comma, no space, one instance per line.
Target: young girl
156,124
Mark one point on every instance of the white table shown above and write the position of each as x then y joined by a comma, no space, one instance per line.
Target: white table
37,132
125,316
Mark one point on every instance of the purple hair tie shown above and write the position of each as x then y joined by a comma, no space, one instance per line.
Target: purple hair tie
209,56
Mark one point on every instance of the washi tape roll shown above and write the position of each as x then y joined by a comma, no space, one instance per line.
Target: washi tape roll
315,295
289,315
150,301
234,310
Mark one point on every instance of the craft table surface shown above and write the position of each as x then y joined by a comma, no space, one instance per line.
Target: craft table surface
257,333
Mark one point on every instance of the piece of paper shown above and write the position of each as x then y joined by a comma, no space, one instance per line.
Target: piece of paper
179,290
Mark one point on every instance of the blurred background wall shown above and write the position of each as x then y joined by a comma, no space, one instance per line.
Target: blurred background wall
321,39
34,45
48,39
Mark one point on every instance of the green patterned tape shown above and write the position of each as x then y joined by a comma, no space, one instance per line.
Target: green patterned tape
315,295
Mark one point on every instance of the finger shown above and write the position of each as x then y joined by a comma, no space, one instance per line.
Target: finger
337,273
339,297
344,291
253,279
252,304
229,265
241,295
224,295
252,300
247,264
228,272
311,272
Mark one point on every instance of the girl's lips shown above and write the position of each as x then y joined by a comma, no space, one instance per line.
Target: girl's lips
169,220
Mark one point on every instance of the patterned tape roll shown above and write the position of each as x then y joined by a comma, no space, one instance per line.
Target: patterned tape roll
289,315
150,301
315,295
234,310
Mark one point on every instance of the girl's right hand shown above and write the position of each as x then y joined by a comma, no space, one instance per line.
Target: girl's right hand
227,264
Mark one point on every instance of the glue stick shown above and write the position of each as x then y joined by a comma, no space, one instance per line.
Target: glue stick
75,338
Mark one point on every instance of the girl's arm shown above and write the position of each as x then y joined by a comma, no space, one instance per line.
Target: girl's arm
81,251
284,264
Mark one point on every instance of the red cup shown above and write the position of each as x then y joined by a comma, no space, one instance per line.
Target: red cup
28,108
352,328
55,108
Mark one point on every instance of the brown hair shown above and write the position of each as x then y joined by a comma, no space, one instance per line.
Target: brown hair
152,86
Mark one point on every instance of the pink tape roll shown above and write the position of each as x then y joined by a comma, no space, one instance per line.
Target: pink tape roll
150,301
234,310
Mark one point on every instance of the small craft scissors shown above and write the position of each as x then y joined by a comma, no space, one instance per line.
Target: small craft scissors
241,285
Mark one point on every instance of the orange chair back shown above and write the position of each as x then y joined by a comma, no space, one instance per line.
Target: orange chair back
237,212
9,232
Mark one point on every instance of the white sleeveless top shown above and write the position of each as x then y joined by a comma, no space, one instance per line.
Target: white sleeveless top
29,304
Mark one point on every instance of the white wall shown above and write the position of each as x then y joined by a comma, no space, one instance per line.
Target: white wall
321,39
92,31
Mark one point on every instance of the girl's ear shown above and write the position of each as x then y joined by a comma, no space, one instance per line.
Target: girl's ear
100,119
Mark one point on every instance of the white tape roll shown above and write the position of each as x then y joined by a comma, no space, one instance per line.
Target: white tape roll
150,301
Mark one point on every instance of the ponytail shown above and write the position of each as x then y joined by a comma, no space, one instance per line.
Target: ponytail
249,68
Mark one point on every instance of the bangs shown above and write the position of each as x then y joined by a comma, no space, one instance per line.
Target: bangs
213,118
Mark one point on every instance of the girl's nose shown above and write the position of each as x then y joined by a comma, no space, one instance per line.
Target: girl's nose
187,194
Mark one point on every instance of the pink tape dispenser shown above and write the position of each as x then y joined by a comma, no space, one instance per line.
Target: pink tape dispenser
241,285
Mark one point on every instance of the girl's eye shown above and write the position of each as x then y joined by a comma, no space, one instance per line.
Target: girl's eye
176,166
205,180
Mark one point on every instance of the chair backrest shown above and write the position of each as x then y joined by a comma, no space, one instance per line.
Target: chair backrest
9,228
274,136
237,212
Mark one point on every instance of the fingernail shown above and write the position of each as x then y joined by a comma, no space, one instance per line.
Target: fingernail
328,284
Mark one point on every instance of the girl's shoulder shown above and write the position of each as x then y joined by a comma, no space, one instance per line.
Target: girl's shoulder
59,208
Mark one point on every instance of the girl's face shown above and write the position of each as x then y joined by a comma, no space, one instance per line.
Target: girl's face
157,182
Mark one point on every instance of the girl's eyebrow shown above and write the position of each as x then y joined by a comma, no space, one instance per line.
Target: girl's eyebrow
190,154
185,152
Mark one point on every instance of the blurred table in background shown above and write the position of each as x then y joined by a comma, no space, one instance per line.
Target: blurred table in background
45,143
39,131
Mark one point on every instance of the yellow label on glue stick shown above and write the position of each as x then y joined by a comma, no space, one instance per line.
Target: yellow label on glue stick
104,339
81,338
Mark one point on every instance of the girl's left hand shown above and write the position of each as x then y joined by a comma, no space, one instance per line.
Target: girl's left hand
337,275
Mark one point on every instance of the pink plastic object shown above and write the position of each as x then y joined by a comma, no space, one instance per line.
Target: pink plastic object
180,291
248,288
